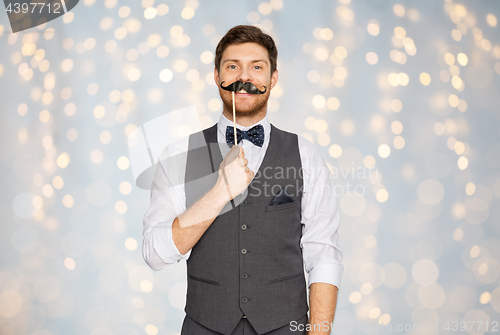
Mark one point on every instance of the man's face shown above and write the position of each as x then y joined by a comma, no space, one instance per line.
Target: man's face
247,62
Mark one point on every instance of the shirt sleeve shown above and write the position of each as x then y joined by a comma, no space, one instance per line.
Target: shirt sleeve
321,253
167,201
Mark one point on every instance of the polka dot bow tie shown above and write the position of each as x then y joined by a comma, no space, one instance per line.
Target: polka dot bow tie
254,135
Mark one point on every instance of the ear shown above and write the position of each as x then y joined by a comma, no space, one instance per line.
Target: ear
216,76
274,79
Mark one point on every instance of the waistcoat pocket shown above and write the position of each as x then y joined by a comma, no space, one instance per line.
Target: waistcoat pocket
281,207
206,281
286,278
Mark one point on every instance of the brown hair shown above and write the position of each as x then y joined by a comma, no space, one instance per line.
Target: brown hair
243,34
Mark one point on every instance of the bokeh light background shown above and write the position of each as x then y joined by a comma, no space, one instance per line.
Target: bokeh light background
407,89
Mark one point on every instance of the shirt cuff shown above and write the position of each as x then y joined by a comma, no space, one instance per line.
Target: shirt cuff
164,245
327,273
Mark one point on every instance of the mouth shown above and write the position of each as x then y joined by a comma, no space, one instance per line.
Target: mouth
242,91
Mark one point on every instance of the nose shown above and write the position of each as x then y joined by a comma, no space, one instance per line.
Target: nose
245,75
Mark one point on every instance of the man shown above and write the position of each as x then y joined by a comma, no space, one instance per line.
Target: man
247,226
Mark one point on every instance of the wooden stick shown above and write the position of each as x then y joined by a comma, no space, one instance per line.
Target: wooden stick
234,123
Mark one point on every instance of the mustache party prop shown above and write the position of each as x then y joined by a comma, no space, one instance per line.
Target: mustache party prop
248,87
237,86
25,14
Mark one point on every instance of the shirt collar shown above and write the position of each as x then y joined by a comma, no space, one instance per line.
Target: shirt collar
224,122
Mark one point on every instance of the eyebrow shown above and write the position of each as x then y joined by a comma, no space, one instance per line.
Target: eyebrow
237,61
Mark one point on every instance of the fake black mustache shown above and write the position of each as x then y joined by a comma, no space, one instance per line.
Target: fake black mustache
248,87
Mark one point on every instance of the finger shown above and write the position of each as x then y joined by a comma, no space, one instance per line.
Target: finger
244,162
247,169
242,153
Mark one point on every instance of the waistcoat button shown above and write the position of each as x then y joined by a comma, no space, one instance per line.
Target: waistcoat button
244,299
244,227
244,202
243,251
244,275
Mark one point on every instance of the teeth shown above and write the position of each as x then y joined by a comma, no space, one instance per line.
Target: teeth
241,91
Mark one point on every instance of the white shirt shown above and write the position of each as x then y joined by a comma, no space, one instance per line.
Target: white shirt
321,254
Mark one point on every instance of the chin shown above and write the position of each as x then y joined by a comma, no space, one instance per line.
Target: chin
248,113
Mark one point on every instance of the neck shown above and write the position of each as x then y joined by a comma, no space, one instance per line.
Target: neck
245,120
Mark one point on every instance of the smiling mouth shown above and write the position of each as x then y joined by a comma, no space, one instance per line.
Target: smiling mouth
242,91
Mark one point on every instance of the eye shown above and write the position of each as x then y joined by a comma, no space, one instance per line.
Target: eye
232,67
258,67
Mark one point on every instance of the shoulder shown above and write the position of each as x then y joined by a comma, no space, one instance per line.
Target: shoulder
306,143
277,131
175,148
306,148
309,153
181,146
285,137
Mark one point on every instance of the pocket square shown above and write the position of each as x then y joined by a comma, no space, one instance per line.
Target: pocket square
280,198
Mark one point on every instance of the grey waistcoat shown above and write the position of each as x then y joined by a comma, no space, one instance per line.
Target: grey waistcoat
249,261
